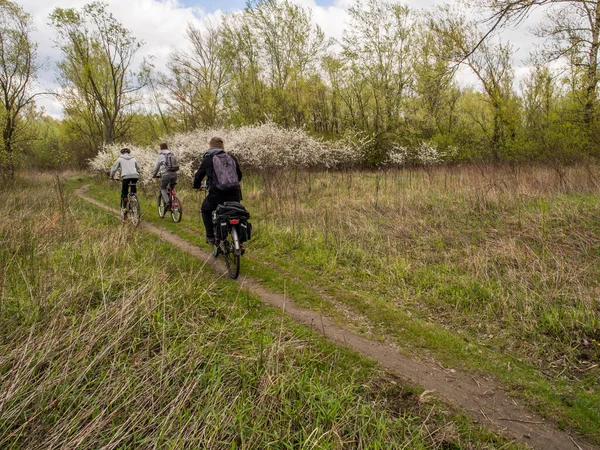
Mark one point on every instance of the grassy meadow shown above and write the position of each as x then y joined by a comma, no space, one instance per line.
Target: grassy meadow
493,269
110,338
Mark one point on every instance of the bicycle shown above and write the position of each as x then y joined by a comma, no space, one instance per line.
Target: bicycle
131,207
176,207
227,238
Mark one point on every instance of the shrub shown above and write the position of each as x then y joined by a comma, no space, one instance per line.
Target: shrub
269,148
262,148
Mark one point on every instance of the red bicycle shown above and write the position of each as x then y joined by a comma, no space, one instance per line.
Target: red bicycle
175,208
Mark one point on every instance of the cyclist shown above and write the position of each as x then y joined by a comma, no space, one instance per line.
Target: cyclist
130,172
168,166
223,180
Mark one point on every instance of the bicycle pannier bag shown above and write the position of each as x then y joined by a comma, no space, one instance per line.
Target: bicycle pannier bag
220,227
225,172
245,230
171,162
232,210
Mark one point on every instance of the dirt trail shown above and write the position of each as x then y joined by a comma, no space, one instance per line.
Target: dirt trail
485,401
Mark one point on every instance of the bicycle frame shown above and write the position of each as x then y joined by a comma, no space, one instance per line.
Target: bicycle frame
174,202
171,195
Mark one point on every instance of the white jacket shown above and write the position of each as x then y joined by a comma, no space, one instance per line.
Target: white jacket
129,167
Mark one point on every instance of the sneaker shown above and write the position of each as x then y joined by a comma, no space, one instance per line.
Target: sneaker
210,241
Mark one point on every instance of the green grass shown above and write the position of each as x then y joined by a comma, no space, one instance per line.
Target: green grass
110,337
486,270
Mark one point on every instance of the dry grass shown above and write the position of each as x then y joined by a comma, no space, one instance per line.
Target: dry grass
507,255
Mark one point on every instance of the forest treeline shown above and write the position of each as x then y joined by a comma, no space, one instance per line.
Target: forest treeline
394,81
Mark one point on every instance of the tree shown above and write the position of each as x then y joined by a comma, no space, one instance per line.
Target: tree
377,51
290,48
246,93
198,79
434,84
99,86
17,73
491,64
572,27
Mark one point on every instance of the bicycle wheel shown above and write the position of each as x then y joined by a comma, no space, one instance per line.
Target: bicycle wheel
134,211
161,206
232,255
176,210
216,249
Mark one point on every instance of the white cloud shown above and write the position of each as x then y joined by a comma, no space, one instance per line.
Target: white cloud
160,24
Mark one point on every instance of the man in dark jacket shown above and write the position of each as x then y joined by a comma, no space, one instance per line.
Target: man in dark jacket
215,196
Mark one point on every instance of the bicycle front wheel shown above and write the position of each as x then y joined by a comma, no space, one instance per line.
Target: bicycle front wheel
232,256
176,210
161,206
134,211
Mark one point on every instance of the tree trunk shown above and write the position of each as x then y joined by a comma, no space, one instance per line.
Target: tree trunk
7,135
592,72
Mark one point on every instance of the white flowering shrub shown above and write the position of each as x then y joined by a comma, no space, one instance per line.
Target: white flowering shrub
269,148
262,148
424,154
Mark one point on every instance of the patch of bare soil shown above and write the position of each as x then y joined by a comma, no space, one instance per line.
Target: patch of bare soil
485,400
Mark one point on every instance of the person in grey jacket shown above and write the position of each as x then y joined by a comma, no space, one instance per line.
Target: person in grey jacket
167,177
130,172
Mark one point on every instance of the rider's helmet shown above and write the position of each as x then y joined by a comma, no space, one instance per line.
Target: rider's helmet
125,150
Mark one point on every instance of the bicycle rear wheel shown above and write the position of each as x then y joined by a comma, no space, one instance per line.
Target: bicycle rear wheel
232,255
176,210
161,206
134,211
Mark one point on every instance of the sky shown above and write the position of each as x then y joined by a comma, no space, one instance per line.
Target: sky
161,24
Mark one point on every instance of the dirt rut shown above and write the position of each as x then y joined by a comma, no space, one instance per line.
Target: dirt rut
484,400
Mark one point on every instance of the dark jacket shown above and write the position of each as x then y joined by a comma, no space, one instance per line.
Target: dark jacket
206,170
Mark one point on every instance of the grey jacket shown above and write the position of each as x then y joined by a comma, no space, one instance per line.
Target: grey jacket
129,167
161,163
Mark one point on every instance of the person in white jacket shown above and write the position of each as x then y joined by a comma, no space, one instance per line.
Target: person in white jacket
130,172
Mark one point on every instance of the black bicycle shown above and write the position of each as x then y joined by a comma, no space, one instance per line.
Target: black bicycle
227,243
131,208
231,228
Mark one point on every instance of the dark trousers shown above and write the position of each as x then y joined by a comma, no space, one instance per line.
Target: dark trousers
167,179
210,203
125,189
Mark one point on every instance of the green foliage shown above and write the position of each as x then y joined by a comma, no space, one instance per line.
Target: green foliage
393,81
